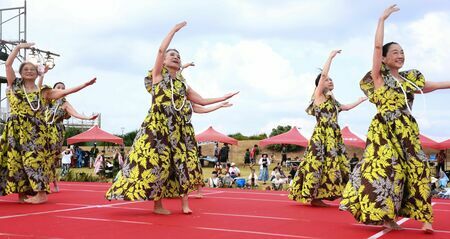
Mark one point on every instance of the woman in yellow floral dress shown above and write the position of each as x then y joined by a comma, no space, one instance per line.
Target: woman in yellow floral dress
324,171
393,178
57,111
24,154
157,165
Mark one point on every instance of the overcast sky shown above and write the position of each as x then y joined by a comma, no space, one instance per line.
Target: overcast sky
270,51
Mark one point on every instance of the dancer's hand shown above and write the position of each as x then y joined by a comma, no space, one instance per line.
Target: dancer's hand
225,104
24,45
91,82
187,65
334,53
229,95
93,117
388,11
180,25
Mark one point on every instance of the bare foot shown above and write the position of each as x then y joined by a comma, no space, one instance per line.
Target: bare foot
22,198
187,210
56,189
38,199
427,228
392,225
199,195
318,203
161,211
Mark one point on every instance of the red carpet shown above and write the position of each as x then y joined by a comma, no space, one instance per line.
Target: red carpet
80,211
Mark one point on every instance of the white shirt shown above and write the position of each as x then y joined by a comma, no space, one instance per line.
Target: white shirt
261,163
234,170
66,158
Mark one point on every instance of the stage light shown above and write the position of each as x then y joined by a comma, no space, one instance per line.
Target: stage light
33,57
49,62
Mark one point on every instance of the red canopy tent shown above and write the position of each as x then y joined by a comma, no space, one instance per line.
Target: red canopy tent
352,139
444,144
428,143
212,135
94,134
290,137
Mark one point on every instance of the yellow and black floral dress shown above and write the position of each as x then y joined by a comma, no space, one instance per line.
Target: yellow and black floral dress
156,166
24,153
393,178
54,116
324,171
195,169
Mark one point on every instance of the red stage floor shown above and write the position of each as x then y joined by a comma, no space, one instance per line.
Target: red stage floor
80,211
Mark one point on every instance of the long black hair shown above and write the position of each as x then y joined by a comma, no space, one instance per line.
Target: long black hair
386,48
57,83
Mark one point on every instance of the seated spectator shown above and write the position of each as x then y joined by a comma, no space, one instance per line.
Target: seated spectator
214,181
277,182
100,162
252,179
234,171
218,168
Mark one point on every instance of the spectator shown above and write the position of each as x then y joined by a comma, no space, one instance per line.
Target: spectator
100,162
277,182
214,181
66,161
440,158
79,154
252,179
254,154
216,151
223,154
93,155
264,163
247,157
293,171
200,155
218,168
353,162
234,171
283,154
117,161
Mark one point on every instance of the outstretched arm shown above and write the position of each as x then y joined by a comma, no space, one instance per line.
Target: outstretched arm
324,74
53,94
433,85
201,110
198,99
186,66
354,104
10,74
156,73
378,49
72,112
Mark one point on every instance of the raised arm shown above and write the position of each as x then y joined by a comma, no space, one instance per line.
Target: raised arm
433,85
353,105
53,94
378,48
10,74
72,112
324,74
198,99
201,110
156,73
41,77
